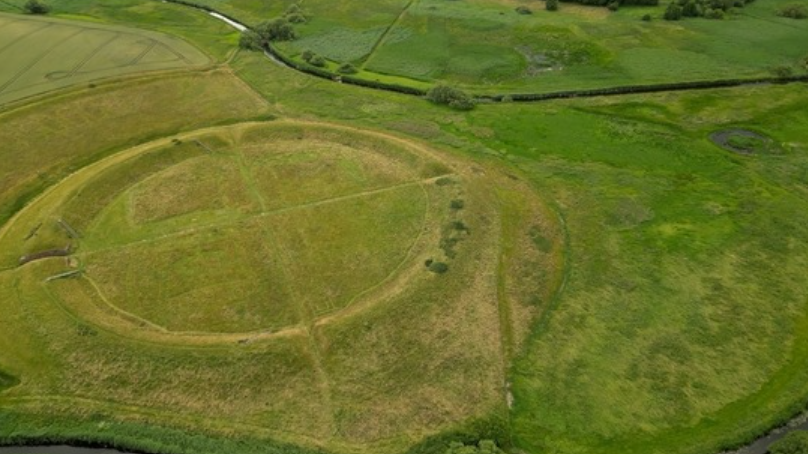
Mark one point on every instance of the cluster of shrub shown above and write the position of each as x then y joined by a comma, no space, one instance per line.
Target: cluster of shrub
614,5
450,96
278,29
36,7
794,11
709,9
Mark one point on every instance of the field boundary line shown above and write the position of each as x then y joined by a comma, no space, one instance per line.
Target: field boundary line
386,32
38,59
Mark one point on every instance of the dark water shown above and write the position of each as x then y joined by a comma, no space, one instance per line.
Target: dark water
761,446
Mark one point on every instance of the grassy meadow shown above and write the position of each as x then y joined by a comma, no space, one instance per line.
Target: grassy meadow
487,47
256,252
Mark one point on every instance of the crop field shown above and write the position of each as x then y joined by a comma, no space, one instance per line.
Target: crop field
41,55
224,255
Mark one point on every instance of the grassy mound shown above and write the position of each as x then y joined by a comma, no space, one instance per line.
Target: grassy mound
297,250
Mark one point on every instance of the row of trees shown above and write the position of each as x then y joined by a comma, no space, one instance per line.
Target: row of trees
614,4
709,9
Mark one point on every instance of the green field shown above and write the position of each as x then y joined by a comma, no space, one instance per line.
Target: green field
41,55
261,261
487,47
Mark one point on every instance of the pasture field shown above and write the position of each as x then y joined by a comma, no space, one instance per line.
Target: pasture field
685,261
254,260
43,54
487,47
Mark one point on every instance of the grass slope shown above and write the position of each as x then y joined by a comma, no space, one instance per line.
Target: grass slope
44,143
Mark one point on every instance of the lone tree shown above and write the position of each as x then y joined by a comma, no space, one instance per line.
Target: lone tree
36,7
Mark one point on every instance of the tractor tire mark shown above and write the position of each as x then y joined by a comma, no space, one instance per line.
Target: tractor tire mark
177,54
21,37
92,54
136,60
41,57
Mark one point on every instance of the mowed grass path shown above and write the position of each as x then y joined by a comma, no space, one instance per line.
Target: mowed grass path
44,54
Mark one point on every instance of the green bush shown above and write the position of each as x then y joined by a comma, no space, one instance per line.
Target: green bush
691,9
276,30
551,5
450,96
295,18
673,12
714,14
347,68
613,6
646,18
307,55
794,11
483,447
793,443
457,204
250,40
438,267
36,7
317,61
782,72
523,10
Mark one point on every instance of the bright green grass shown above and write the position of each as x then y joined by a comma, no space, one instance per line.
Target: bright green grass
681,326
487,47
41,54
